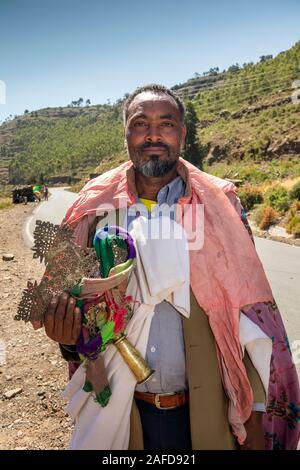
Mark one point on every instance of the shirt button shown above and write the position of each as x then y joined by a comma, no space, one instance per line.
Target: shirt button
153,349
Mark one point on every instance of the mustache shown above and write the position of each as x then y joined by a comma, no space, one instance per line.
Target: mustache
148,145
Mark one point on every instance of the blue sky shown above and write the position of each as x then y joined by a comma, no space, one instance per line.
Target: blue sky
53,52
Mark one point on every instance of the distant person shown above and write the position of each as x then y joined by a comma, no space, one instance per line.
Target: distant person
46,192
37,192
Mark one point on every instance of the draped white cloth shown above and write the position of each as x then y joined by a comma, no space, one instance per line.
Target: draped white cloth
161,273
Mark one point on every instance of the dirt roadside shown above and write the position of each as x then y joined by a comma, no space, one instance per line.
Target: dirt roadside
34,417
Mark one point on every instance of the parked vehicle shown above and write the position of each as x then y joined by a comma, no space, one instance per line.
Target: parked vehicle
23,194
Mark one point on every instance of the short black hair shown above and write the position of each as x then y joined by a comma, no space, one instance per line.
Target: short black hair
157,90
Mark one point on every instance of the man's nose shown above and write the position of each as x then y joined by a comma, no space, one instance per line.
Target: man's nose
153,134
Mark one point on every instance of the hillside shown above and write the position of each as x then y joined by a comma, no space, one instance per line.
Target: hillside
248,127
55,141
250,117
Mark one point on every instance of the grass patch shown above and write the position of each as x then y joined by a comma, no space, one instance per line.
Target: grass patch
256,173
5,202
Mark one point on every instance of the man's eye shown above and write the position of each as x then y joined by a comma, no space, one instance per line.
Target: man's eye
140,124
167,124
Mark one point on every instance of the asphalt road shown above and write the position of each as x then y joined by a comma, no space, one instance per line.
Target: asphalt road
52,210
282,267
281,262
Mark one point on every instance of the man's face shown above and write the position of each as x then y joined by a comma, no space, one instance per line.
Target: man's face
154,134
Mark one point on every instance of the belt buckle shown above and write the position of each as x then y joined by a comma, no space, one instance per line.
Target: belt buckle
157,401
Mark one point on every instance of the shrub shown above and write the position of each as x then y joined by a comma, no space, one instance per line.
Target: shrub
295,206
269,217
278,198
75,188
293,222
293,226
295,191
249,196
258,213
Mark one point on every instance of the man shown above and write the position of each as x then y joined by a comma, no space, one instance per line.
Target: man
185,406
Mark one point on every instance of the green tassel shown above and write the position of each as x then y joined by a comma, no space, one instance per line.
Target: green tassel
107,332
88,387
103,397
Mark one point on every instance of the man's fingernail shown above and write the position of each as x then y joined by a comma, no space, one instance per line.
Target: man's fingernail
72,301
54,300
65,296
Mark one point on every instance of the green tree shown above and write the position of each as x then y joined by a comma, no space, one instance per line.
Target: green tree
264,58
214,70
233,68
192,151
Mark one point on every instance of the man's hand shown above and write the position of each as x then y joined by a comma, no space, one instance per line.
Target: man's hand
255,434
63,320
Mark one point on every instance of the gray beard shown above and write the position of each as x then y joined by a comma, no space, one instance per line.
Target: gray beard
156,167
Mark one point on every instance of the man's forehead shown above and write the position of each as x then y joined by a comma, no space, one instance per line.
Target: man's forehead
150,100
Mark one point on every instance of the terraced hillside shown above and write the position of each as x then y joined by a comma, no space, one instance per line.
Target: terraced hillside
249,127
54,141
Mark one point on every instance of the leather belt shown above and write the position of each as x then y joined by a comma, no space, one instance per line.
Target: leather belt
164,400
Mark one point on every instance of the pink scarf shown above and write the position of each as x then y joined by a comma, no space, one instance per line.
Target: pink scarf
226,273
